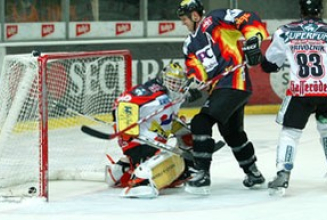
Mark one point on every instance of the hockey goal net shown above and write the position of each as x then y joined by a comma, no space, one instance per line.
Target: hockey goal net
39,139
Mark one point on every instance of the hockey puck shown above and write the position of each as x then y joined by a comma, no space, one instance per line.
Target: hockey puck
32,190
36,53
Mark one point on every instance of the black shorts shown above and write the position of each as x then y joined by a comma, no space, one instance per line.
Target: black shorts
223,103
226,108
295,111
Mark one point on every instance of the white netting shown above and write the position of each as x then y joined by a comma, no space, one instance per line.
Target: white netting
86,83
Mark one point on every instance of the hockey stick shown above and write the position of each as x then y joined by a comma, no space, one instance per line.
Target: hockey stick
175,150
161,146
103,136
183,153
70,110
220,76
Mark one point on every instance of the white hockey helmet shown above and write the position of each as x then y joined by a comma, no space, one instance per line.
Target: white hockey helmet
173,77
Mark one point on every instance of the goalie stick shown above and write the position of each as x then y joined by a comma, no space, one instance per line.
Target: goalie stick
114,135
70,110
183,153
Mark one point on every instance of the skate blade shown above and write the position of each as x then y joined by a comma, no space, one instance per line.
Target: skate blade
280,191
257,186
204,190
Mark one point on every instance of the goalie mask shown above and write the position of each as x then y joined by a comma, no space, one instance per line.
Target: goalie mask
311,7
173,78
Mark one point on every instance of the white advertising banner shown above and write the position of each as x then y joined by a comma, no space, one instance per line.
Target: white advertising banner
82,30
166,28
98,30
34,31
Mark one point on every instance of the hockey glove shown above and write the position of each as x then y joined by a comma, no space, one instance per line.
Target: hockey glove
193,95
194,83
252,52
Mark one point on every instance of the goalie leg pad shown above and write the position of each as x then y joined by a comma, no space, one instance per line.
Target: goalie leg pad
118,174
161,169
286,150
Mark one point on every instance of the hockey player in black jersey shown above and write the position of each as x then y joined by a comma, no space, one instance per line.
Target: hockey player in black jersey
212,49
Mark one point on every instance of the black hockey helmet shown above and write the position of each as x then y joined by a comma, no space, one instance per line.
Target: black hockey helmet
188,6
311,7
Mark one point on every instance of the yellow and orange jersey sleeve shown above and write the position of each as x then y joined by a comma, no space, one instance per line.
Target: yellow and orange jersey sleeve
195,69
250,25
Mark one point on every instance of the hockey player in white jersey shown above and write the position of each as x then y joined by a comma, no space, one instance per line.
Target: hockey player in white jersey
304,44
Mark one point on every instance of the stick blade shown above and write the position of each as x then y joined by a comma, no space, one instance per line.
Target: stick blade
94,133
218,145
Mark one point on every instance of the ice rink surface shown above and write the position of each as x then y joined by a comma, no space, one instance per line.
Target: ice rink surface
306,196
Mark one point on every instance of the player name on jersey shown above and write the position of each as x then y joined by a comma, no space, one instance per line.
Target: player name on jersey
305,35
305,88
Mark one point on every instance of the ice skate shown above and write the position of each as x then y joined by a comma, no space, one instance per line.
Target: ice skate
279,184
199,183
253,178
181,180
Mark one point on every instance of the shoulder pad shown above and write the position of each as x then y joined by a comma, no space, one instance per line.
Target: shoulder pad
207,22
231,14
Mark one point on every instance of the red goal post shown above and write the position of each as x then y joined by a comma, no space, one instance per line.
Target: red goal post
40,141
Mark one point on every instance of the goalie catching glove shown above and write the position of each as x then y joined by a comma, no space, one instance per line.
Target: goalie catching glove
252,52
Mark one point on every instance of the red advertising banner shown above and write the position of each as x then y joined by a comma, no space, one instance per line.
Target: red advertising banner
263,92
